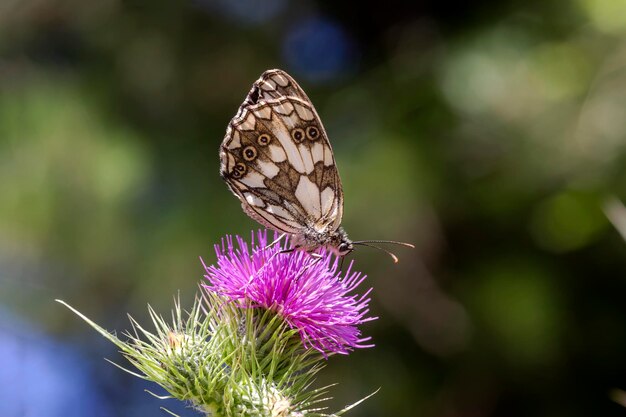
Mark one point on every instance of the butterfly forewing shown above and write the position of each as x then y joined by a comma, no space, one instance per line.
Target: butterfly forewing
274,84
277,159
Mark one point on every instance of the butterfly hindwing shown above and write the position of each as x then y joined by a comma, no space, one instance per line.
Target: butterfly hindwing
277,159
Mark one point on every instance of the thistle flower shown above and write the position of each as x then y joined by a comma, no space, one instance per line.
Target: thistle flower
244,347
309,292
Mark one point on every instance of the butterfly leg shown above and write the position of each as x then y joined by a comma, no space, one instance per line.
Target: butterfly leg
314,255
266,261
316,258
278,239
268,246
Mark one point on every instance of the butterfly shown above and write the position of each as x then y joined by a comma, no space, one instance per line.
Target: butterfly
276,158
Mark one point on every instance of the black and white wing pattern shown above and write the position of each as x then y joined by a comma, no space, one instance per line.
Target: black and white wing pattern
276,158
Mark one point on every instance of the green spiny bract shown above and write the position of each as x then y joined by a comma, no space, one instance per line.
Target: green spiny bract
225,360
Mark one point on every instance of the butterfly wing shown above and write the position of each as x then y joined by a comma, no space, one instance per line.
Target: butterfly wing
274,84
277,160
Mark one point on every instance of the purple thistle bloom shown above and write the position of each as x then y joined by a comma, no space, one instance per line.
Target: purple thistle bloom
309,293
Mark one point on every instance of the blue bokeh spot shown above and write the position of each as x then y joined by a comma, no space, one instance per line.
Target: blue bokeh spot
319,50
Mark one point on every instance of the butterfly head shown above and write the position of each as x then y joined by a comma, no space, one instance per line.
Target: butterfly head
340,242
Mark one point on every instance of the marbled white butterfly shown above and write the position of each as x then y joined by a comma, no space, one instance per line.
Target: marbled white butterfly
276,158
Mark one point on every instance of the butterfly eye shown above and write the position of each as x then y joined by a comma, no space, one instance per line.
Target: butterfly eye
297,135
249,153
312,133
263,139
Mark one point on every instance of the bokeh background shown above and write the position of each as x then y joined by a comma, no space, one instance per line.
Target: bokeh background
490,133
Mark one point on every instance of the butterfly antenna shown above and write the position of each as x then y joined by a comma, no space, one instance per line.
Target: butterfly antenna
392,242
394,257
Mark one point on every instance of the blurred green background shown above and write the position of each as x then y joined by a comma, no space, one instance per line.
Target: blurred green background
490,133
